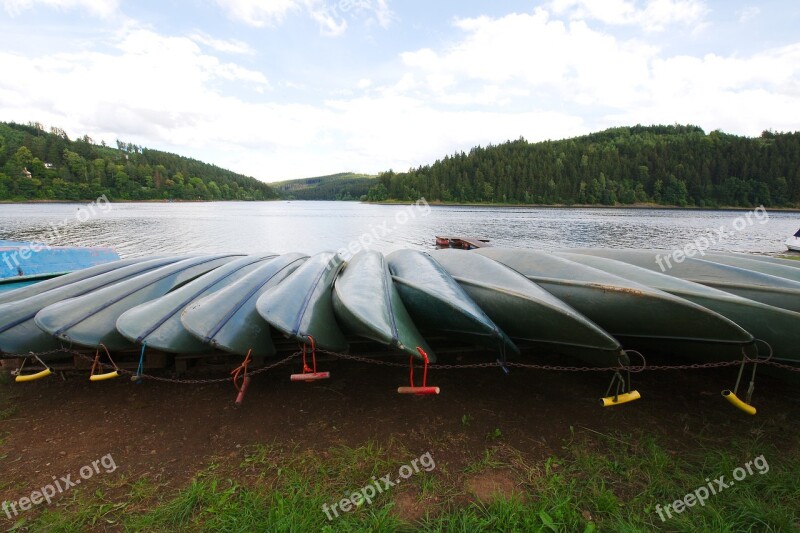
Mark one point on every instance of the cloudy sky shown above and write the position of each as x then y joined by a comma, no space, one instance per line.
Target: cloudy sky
281,89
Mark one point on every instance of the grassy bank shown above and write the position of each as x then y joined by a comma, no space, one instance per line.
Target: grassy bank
595,483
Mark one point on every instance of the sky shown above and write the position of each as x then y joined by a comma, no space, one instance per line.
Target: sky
285,89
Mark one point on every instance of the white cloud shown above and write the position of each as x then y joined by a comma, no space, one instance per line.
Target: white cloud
99,8
535,75
330,16
749,13
654,16
231,46
537,62
259,13
532,52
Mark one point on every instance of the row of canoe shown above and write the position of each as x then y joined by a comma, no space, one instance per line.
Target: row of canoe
590,303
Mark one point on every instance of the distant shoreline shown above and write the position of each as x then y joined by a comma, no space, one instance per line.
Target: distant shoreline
26,202
587,206
439,203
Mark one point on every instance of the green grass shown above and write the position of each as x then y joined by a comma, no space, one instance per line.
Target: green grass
594,484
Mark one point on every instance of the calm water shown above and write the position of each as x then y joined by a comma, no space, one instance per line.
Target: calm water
138,229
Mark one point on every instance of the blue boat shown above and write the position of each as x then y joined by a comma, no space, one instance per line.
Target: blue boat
24,263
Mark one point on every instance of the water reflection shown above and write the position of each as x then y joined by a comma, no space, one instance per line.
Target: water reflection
138,229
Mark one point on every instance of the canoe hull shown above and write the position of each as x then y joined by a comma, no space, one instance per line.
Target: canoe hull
622,307
367,304
228,319
91,320
301,306
157,323
439,304
523,309
779,327
18,330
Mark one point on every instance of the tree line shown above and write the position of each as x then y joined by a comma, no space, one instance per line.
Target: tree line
345,186
46,165
666,165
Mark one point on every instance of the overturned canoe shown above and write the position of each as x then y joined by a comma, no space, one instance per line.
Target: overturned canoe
764,288
779,327
72,277
367,304
793,263
523,309
18,331
301,306
437,302
158,323
620,306
91,320
228,320
773,269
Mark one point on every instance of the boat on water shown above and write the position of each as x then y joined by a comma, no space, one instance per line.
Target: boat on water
793,242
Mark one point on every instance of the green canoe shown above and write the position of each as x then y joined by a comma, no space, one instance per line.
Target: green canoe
779,327
367,304
761,257
773,269
764,288
301,306
437,302
91,320
620,306
67,279
228,320
18,331
523,309
158,323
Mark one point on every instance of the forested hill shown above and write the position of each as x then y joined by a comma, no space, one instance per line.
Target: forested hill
342,186
668,165
40,165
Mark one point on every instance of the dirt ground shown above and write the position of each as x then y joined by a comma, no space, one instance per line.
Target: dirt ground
168,432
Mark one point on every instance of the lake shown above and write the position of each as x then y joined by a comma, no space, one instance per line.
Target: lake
144,228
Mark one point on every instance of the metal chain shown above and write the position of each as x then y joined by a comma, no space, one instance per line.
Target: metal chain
560,368
371,361
196,381
122,371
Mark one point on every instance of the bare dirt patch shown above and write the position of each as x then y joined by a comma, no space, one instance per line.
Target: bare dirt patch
167,432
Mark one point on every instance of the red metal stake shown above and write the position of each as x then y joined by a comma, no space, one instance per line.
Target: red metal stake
310,373
424,390
240,396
